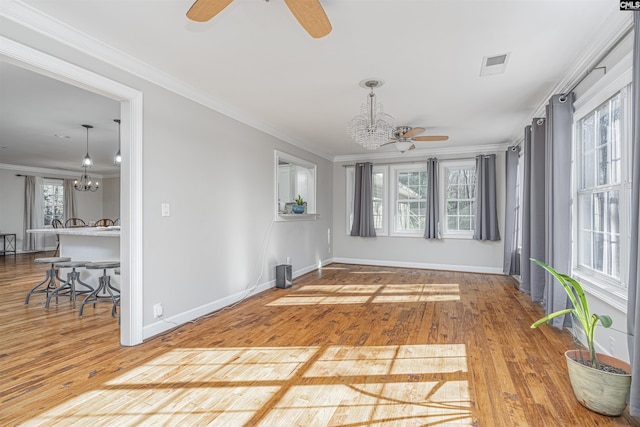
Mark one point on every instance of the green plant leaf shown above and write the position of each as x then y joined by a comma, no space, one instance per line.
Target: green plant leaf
605,320
548,317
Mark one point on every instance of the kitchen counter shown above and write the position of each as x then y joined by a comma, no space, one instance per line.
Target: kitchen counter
93,244
80,231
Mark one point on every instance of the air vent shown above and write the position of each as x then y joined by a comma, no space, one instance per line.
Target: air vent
495,64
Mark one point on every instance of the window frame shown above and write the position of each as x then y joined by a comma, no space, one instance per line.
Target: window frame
51,182
618,80
443,178
312,187
394,170
350,177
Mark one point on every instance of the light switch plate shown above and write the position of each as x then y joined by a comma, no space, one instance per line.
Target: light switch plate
166,209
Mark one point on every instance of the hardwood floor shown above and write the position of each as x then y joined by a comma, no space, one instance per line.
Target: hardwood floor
346,346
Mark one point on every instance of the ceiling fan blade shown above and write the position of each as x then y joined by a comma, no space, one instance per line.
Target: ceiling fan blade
387,143
431,138
412,132
311,16
203,10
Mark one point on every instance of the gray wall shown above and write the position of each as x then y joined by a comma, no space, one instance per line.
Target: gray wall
90,205
217,174
110,198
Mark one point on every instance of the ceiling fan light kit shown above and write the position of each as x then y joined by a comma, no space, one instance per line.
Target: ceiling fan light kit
372,127
404,138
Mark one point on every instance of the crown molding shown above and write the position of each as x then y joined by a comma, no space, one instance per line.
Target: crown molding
422,153
41,23
616,25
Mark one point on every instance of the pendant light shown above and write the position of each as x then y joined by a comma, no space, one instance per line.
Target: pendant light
372,127
85,183
117,159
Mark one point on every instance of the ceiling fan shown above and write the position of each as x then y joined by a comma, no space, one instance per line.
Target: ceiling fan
405,136
309,14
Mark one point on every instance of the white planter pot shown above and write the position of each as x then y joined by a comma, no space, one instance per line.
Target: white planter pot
601,391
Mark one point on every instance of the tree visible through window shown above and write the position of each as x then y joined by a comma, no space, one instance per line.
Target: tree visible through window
53,200
411,200
460,193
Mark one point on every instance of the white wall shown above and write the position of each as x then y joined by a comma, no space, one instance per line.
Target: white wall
446,254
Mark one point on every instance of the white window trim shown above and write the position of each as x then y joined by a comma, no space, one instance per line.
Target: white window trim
393,179
442,189
349,194
51,181
609,289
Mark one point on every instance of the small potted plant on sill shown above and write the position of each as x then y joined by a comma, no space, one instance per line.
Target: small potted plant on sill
600,382
300,205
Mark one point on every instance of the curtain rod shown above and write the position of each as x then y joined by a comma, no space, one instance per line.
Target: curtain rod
599,60
416,162
45,177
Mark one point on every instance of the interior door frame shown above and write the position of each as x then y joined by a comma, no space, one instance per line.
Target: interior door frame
131,114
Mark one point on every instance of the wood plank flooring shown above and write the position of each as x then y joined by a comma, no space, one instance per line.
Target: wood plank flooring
346,346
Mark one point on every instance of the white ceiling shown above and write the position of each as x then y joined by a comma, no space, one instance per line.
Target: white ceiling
255,63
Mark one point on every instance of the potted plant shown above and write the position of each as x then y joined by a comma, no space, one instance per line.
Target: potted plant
599,382
300,205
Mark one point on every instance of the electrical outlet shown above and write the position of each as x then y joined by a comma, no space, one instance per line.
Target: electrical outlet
166,209
157,310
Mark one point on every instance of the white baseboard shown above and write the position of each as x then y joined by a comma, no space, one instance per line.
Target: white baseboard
166,323
428,266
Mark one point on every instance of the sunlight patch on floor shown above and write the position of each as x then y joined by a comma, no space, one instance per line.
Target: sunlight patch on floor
282,386
361,294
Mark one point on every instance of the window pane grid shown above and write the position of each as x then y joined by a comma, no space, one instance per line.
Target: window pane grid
53,202
411,202
461,193
599,203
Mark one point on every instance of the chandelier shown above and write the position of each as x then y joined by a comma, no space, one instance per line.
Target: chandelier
85,183
372,127
117,159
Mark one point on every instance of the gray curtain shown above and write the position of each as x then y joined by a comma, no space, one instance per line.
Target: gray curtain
69,207
363,225
558,201
511,264
486,226
433,210
33,214
633,321
532,279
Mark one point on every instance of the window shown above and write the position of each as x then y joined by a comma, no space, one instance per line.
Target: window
458,189
409,199
603,187
379,198
53,200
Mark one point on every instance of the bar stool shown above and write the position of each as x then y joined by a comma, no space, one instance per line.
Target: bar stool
117,304
105,292
72,277
50,279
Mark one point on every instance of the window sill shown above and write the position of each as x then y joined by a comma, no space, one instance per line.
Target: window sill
614,295
458,236
297,217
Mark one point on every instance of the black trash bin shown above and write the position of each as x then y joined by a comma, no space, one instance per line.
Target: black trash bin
283,276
